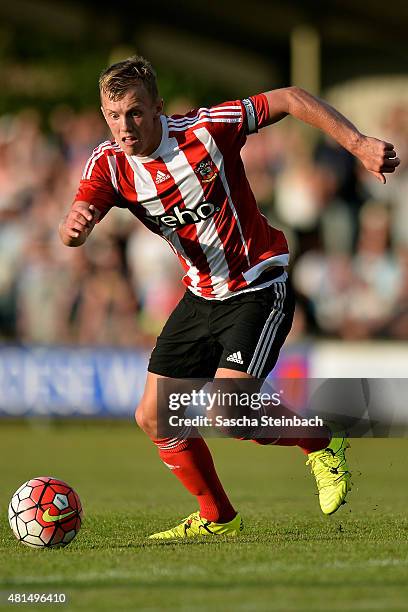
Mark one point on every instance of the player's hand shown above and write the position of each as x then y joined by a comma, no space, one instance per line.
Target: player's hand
378,157
79,219
76,226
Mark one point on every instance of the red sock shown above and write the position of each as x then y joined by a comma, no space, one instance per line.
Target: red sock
310,445
190,460
307,445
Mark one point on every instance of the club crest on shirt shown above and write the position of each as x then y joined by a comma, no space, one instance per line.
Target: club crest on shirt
206,171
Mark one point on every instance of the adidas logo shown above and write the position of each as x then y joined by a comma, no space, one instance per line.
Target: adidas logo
161,177
235,357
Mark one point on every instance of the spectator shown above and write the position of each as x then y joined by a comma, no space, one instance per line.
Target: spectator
350,258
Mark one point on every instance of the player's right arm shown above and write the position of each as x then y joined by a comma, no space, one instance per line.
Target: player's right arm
94,198
76,226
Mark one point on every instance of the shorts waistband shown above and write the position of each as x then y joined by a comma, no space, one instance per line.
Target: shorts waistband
267,275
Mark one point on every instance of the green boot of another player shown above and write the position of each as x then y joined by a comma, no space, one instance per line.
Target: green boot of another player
333,479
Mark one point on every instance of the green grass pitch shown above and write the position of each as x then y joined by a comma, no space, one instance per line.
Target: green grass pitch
290,557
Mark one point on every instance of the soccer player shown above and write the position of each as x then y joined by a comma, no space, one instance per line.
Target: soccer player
183,177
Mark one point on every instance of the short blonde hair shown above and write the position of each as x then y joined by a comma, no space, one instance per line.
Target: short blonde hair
116,80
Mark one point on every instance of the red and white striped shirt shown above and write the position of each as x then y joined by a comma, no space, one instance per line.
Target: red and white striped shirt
193,191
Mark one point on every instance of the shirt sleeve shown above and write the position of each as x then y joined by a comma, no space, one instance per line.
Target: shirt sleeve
96,186
256,112
229,123
225,123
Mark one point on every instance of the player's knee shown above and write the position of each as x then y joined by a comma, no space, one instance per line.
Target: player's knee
139,416
149,426
146,419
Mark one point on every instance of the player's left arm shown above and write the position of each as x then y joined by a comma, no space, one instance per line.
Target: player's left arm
377,156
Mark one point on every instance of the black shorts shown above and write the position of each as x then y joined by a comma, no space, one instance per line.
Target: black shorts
243,333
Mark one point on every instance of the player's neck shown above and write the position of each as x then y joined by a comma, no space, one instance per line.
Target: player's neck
156,139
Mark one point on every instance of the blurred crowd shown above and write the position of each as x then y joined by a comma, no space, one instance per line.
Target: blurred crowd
348,236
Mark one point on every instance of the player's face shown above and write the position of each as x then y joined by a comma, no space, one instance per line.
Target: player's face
134,121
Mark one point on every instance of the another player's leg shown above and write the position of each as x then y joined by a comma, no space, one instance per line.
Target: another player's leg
190,461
